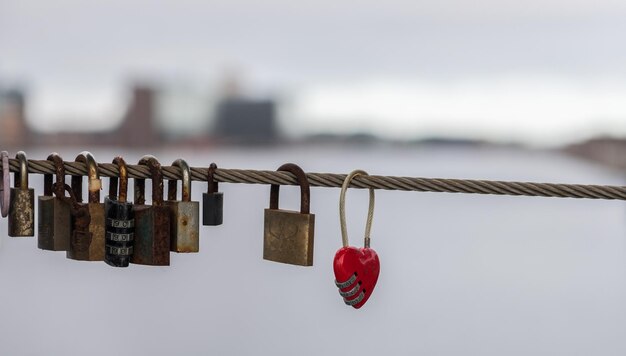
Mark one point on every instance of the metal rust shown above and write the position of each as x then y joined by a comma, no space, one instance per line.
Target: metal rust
152,223
184,214
5,191
22,202
55,222
289,235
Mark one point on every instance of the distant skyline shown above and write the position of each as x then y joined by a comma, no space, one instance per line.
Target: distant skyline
540,72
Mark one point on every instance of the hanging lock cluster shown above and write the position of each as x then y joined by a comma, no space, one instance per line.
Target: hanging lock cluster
120,232
115,231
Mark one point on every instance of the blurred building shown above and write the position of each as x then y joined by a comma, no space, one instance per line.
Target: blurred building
138,128
246,121
14,131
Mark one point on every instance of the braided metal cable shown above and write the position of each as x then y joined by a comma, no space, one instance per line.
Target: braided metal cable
335,181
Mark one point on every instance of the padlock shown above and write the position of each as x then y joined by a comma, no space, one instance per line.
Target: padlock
4,185
184,214
22,202
356,269
88,247
120,220
152,222
212,201
288,234
55,219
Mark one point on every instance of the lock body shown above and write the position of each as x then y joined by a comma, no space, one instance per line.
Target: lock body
212,208
120,232
288,237
54,227
152,235
88,244
184,225
22,212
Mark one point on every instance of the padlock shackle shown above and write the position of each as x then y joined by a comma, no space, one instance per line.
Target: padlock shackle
59,169
305,191
171,184
121,166
21,176
342,209
213,188
93,178
157,182
5,184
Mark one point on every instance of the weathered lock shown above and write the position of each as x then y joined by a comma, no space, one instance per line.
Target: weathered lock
79,212
212,201
54,226
22,202
289,234
88,246
4,185
184,214
152,222
120,220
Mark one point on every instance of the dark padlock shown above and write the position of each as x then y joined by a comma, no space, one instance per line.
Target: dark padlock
184,214
54,226
5,192
22,202
120,220
212,201
152,222
288,236
88,247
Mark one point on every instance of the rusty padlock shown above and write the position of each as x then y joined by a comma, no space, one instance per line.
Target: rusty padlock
152,222
54,226
288,236
5,192
212,201
120,220
22,202
184,214
88,247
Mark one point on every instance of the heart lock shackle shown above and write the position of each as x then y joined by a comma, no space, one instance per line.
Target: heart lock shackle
356,269
120,220
54,227
288,235
184,214
88,245
22,202
212,201
152,222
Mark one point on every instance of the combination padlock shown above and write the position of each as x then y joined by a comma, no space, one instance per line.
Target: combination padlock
356,269
120,220
184,214
22,202
288,235
152,222
88,246
212,201
54,227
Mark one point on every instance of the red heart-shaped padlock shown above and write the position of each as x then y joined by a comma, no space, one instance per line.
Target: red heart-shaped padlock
356,274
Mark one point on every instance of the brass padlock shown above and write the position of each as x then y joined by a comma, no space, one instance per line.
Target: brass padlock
288,234
54,226
22,202
120,220
89,247
152,222
212,201
184,214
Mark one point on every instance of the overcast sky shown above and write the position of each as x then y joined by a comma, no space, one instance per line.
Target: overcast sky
537,71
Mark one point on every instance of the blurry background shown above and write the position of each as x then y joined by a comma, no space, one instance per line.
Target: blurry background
483,89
